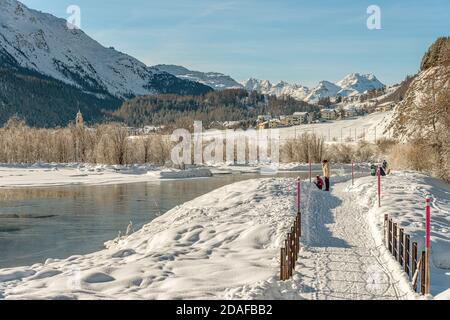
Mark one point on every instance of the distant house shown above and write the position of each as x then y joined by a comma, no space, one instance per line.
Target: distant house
263,125
329,114
302,117
286,120
275,123
351,112
232,124
387,106
264,118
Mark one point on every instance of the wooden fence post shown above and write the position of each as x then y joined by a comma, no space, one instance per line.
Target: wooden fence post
390,236
423,275
401,253
299,224
395,241
386,223
416,275
288,260
289,256
294,253
407,257
414,258
295,238
282,264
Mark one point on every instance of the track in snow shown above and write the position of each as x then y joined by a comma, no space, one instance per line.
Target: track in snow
339,259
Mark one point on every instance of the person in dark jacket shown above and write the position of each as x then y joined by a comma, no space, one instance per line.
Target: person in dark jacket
373,170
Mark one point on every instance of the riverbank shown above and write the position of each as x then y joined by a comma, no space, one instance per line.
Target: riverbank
54,175
226,243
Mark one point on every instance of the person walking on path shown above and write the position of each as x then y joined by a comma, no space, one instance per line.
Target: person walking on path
326,174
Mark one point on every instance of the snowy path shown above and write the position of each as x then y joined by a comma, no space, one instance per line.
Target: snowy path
340,259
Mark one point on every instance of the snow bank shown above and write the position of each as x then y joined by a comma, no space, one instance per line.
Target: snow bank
403,198
51,174
226,239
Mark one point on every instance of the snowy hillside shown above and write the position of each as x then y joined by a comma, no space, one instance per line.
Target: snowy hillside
352,84
43,43
215,80
371,127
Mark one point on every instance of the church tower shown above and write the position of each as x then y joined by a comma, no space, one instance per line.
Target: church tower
79,120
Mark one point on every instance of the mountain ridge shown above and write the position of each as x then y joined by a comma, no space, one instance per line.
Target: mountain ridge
42,42
215,80
351,85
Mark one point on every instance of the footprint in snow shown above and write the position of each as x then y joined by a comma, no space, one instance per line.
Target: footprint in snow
98,277
124,253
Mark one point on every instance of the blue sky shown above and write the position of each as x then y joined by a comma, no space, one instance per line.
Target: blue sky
291,40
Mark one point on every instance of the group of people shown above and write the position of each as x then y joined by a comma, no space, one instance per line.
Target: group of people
384,169
320,183
325,182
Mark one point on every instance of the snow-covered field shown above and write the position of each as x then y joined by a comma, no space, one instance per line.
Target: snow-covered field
370,128
226,243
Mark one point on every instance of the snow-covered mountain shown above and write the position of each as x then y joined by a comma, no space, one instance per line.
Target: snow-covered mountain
215,80
352,84
280,89
324,89
356,83
43,43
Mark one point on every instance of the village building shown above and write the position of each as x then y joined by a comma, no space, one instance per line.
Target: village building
302,117
264,118
329,114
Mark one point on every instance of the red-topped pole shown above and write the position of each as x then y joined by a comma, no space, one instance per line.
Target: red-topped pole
379,187
298,194
427,244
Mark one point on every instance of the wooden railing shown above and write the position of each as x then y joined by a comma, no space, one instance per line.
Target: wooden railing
289,254
399,245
